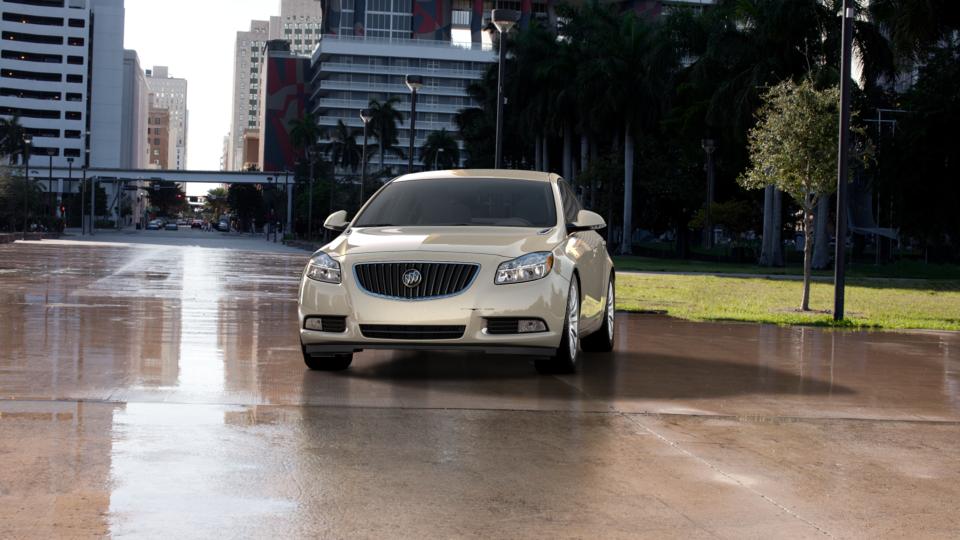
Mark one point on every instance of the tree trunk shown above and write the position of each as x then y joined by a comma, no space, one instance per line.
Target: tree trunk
807,257
538,154
381,158
546,153
777,247
821,247
766,246
626,243
568,151
593,183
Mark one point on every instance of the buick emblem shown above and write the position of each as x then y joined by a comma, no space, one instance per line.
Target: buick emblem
411,278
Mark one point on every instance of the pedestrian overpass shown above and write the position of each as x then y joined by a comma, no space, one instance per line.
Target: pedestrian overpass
67,180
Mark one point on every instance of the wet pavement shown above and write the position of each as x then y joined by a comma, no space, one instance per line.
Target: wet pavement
157,390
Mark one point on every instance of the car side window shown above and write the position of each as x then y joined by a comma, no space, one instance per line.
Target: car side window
571,206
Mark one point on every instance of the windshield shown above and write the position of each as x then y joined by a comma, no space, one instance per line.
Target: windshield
461,201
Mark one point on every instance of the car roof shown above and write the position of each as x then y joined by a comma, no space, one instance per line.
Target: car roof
482,173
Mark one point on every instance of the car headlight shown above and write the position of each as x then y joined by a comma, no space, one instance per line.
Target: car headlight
322,267
530,267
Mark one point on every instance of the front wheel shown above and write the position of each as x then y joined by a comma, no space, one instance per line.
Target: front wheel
336,362
602,339
564,360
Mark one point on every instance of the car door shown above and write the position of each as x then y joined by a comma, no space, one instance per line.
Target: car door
591,282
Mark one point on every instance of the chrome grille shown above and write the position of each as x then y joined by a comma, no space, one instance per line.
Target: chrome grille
437,279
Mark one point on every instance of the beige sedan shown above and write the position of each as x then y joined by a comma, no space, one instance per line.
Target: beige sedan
498,261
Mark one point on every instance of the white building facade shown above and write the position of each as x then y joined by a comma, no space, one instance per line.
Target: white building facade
349,71
300,23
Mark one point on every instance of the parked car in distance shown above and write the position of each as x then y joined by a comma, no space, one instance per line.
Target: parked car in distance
154,225
196,224
498,261
172,226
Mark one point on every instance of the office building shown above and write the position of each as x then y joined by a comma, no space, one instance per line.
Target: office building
136,105
248,55
158,129
170,94
300,23
349,71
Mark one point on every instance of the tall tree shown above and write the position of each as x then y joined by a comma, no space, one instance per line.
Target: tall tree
304,132
11,138
384,128
343,149
440,151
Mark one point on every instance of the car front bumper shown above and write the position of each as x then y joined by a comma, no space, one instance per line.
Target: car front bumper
544,299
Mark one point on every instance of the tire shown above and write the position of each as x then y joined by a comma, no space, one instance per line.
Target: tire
602,340
336,362
564,359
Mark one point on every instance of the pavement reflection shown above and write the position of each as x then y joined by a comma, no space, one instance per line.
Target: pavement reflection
159,390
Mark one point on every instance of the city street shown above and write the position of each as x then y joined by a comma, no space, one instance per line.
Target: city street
152,384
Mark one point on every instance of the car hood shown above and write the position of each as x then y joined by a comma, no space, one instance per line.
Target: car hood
507,242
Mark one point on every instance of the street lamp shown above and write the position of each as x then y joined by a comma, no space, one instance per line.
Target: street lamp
709,146
69,184
414,83
366,115
839,266
435,156
27,141
503,19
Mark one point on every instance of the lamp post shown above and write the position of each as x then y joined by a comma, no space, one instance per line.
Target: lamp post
27,141
311,155
709,146
839,276
83,201
50,210
503,19
414,83
436,156
69,184
366,115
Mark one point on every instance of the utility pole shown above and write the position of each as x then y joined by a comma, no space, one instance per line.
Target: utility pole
839,277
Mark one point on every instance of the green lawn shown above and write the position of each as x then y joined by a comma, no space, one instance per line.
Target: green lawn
901,269
873,303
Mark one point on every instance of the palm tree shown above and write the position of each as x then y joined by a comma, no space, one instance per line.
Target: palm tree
11,137
343,149
304,132
384,126
440,150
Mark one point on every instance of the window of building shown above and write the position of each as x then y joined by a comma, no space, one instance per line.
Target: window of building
32,38
30,75
78,23
74,115
75,60
71,134
32,57
71,152
75,41
38,20
73,96
74,78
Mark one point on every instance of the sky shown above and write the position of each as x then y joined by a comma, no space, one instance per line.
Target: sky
195,39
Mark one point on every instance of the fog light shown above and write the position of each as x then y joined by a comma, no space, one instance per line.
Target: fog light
314,323
526,326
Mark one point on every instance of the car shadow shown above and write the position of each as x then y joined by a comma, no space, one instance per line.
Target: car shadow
607,377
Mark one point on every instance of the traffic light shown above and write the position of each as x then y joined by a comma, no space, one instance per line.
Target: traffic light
63,210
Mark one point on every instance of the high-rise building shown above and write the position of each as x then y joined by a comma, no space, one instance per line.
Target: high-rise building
62,72
349,71
158,130
62,75
170,93
248,58
136,105
300,23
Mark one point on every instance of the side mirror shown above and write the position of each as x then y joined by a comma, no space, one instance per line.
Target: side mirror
337,221
586,221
